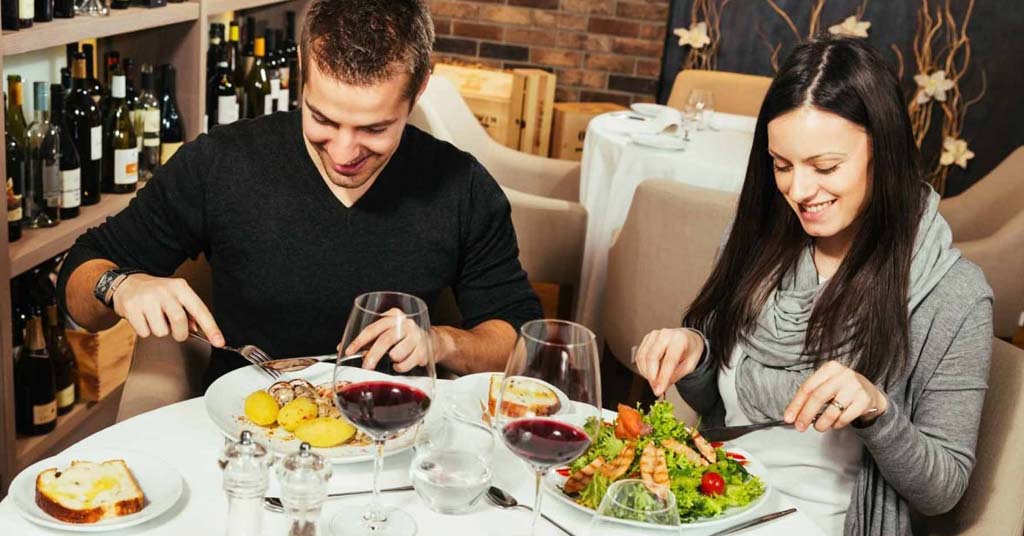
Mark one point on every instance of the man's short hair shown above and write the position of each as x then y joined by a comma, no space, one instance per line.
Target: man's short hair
365,42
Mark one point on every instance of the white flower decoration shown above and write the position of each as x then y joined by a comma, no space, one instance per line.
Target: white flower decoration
696,36
851,27
955,151
932,86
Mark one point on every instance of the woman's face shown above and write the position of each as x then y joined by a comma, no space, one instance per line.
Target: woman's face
822,169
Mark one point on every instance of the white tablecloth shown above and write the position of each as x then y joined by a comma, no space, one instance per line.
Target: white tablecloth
183,436
613,167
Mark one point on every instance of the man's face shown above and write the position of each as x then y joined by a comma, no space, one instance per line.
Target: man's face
353,130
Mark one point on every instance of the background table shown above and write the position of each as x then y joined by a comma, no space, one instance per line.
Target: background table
183,436
613,167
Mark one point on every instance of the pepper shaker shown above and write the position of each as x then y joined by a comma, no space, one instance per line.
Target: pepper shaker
246,466
303,477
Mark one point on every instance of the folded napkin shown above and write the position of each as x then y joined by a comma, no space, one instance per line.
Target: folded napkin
668,121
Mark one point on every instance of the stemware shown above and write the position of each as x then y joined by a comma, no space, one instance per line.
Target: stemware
632,500
387,401
551,389
702,105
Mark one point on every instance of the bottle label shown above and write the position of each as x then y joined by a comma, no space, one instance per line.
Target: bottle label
66,396
51,185
126,166
227,109
14,204
96,143
151,121
45,413
26,9
167,150
71,188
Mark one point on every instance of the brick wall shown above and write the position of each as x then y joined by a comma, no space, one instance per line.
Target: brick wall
601,50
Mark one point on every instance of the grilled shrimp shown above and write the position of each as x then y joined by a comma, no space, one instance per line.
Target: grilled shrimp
581,479
654,470
618,467
703,446
681,449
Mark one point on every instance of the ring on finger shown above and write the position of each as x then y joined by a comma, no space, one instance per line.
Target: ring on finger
838,405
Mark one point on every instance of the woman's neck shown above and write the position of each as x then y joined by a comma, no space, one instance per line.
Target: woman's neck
829,252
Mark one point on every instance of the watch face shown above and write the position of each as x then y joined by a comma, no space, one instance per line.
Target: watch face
103,284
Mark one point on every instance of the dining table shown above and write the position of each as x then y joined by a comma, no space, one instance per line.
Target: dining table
185,438
615,162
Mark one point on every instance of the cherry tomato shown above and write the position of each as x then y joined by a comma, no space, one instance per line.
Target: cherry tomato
712,484
564,471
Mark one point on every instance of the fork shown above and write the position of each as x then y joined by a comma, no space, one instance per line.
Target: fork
250,353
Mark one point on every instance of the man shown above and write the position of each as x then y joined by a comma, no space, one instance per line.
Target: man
300,212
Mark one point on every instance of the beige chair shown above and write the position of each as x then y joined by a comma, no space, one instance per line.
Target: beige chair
442,111
988,227
994,500
656,266
734,93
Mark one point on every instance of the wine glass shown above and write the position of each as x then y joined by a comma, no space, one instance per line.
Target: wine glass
451,470
702,102
631,500
386,402
552,386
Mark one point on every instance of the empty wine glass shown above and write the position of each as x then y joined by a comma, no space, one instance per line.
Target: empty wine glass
92,8
631,500
702,102
386,402
551,387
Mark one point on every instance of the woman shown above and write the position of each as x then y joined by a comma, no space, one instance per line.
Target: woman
839,304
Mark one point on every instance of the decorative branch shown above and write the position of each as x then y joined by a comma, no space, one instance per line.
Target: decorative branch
852,26
703,37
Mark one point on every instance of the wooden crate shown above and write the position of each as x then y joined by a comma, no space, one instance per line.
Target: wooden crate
103,359
538,108
570,126
496,98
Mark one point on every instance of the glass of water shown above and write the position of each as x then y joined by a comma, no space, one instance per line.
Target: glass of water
702,104
451,469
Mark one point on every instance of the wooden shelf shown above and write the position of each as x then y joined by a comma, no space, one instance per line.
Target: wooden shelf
121,21
216,7
30,449
39,245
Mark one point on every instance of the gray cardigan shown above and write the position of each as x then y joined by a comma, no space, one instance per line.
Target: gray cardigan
918,456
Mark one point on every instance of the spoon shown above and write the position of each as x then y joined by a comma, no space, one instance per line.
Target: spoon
502,499
274,504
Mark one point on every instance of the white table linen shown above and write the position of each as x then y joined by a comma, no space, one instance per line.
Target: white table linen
183,436
613,166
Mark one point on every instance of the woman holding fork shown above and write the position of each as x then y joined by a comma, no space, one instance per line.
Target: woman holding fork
838,304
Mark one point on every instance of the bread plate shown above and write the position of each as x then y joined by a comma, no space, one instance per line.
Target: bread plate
159,481
466,397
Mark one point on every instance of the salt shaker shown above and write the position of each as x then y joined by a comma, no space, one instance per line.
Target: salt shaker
246,466
303,477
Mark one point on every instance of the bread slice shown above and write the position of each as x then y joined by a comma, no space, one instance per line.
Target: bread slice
524,397
87,492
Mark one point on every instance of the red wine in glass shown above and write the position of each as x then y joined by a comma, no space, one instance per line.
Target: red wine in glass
382,407
545,442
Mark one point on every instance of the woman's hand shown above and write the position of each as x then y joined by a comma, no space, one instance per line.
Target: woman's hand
666,355
844,394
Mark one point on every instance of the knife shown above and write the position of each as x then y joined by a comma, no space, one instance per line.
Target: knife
728,433
754,522
292,364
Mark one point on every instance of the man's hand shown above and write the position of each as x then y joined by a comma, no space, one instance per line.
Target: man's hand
162,306
399,337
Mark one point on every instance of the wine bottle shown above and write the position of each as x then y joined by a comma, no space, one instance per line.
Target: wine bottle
9,15
34,385
172,127
291,58
43,206
70,163
148,125
112,60
64,9
94,87
63,359
44,11
15,114
16,153
283,73
120,148
119,4
223,96
131,90
232,50
216,48
248,46
19,315
83,118
270,63
257,85
26,13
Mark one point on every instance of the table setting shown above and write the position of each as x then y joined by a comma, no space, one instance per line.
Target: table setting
392,450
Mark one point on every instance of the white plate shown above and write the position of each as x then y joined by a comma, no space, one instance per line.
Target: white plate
648,109
553,483
665,142
466,397
225,404
161,484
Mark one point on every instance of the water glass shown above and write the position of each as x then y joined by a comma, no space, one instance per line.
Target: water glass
451,469
628,503
701,104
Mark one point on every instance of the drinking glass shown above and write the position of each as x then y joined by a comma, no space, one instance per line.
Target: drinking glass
451,469
92,8
631,500
702,102
385,402
552,385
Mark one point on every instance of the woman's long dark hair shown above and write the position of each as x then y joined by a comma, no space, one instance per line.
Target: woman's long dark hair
861,316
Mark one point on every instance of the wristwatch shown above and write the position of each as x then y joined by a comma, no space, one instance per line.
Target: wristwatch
108,283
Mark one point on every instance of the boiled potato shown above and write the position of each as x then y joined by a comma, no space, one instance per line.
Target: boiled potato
325,432
295,413
261,408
